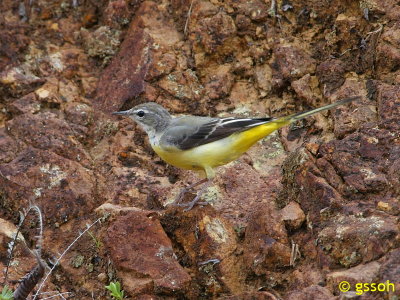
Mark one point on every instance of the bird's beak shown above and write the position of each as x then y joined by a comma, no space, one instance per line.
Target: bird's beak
121,113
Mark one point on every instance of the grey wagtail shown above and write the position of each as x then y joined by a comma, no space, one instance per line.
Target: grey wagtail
203,143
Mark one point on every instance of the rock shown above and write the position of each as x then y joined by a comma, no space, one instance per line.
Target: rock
167,62
26,104
103,42
390,270
311,292
242,95
61,187
330,74
7,233
118,13
351,157
292,62
266,242
8,147
79,113
244,25
307,89
360,274
388,48
124,77
213,32
251,296
14,38
256,10
21,260
263,77
112,209
388,105
48,132
182,85
19,80
306,186
209,243
143,256
350,240
219,82
293,216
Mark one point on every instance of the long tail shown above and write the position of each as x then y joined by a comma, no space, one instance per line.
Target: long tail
302,115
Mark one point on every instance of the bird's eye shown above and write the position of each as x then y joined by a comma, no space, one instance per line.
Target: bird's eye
140,113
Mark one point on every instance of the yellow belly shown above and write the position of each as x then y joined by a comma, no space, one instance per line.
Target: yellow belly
219,152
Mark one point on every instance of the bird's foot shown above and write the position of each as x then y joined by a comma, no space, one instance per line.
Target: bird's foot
185,190
188,206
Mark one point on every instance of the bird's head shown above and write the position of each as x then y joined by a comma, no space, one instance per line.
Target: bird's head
151,117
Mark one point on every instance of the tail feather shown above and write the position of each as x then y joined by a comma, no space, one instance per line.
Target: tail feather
302,115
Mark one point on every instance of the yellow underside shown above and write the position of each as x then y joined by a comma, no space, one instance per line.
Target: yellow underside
218,153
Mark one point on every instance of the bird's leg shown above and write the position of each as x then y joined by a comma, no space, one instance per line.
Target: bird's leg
209,172
187,189
192,203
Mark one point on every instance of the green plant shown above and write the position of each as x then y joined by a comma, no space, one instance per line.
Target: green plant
6,294
115,290
96,241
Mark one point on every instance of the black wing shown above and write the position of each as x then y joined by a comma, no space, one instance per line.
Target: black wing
191,132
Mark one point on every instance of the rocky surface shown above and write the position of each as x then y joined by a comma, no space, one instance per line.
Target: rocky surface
306,208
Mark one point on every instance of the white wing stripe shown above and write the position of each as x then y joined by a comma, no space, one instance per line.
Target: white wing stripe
233,121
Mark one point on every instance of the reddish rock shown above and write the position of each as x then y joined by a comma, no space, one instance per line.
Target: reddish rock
46,131
79,113
219,82
307,186
309,273
293,216
7,234
389,106
390,270
26,104
292,62
352,156
124,78
263,77
19,80
360,274
251,296
388,56
14,41
143,256
118,13
254,9
350,240
330,74
61,187
307,89
348,118
388,7
311,292
21,260
214,32
182,85
266,245
167,62
8,147
102,43
210,244
244,25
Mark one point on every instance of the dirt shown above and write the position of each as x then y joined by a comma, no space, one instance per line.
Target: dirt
306,208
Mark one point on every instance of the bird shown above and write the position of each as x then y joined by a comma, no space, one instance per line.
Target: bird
203,143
